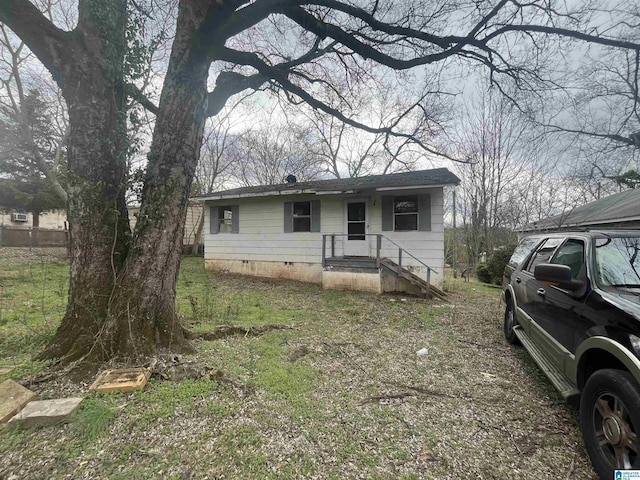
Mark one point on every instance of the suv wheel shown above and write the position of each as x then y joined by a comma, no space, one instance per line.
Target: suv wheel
509,323
610,421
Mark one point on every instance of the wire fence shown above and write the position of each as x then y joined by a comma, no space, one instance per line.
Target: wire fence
13,256
33,297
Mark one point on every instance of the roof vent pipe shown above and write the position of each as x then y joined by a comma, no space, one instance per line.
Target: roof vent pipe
291,179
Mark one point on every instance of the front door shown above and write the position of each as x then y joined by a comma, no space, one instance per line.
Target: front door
356,243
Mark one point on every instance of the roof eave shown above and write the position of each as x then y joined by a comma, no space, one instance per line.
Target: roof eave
275,193
578,225
414,187
272,193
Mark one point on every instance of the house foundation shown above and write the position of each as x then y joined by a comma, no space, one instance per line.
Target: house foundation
335,277
303,272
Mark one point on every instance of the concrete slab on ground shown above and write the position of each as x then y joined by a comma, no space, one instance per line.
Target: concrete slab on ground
121,380
46,412
13,398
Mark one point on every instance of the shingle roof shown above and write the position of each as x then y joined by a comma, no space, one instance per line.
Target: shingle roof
618,208
420,178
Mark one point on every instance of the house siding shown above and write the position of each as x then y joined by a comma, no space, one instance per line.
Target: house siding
261,236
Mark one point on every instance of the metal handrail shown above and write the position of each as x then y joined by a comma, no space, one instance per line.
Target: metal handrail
408,253
378,247
379,238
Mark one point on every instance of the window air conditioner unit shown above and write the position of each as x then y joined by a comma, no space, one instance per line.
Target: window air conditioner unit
20,217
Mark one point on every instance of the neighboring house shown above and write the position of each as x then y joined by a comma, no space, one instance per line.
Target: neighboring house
377,233
54,219
57,219
192,224
620,211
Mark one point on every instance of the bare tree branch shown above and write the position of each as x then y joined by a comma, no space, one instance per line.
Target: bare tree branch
50,44
563,32
281,77
136,94
609,136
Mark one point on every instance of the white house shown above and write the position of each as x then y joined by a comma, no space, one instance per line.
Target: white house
377,233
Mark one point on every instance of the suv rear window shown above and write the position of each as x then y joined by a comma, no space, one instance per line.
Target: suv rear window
523,249
544,252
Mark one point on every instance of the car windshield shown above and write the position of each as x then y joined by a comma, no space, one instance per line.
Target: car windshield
618,262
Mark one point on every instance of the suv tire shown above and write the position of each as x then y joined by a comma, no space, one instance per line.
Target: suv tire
510,322
610,421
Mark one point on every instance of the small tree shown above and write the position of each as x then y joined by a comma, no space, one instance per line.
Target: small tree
33,131
31,159
35,196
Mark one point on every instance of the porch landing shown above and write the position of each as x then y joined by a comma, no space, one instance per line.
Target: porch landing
359,263
375,275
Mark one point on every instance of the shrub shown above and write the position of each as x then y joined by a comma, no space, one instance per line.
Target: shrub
483,274
497,262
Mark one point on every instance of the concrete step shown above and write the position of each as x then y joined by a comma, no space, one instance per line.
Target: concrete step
414,279
46,412
13,398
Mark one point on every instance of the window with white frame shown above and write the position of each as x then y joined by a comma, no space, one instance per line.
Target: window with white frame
301,216
225,219
405,213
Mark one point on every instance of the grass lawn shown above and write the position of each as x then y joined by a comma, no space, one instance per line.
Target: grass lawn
340,394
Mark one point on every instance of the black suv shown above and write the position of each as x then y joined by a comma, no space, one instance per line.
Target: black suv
573,301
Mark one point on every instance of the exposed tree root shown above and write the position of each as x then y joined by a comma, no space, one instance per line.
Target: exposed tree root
172,368
421,390
232,330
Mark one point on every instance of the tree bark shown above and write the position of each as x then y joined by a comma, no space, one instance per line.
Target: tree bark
123,288
89,73
142,317
97,215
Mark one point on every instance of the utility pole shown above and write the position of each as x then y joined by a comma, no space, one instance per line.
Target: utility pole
455,243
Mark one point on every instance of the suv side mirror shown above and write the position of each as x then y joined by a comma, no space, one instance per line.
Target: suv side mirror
559,275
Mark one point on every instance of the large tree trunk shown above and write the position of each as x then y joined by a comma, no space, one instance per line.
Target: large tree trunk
98,222
99,226
123,288
92,87
142,311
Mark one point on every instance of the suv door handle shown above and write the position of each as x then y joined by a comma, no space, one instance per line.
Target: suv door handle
518,280
541,292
